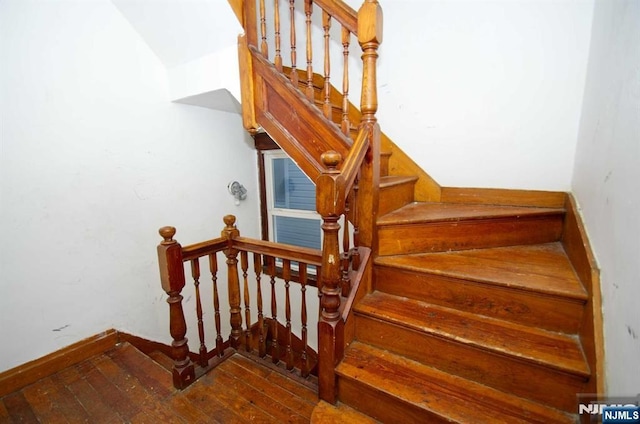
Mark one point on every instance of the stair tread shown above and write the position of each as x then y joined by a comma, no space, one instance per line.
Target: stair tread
392,180
325,413
440,393
438,212
150,373
554,350
543,268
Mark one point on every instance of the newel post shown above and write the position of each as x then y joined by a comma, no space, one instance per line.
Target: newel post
330,199
369,38
230,232
172,278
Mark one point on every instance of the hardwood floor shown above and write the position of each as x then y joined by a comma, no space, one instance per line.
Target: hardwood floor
125,386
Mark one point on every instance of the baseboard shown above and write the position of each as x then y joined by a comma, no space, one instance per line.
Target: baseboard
145,346
30,372
576,244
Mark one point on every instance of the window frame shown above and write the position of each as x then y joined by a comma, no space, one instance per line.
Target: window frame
271,211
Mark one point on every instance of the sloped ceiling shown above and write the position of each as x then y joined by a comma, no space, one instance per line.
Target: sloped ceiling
179,31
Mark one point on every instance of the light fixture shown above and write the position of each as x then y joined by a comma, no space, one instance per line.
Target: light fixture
238,191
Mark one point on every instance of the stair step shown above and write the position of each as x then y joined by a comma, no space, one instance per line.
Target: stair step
533,284
162,359
494,352
395,192
151,374
553,350
325,413
395,389
421,227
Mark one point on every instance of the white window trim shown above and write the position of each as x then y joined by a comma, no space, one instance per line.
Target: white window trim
272,211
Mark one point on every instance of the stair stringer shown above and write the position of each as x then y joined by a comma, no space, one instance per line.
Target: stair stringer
291,120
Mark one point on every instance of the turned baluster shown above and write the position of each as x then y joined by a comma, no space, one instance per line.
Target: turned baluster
172,278
278,57
346,125
326,26
195,274
345,258
213,268
286,275
271,270
294,59
355,253
257,268
345,281
304,366
230,232
369,37
308,9
330,205
264,49
244,265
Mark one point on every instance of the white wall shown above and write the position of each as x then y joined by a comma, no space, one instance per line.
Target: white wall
485,93
94,159
605,181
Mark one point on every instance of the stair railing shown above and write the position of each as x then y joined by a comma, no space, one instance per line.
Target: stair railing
258,270
296,107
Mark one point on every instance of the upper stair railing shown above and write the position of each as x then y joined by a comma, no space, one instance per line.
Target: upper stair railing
313,122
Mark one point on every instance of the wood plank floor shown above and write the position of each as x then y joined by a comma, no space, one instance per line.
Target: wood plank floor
125,386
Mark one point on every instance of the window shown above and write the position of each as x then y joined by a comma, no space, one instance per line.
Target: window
290,202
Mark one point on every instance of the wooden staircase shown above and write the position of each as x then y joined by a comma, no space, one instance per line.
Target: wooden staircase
474,316
482,303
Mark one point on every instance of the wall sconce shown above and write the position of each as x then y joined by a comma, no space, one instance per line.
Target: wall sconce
238,191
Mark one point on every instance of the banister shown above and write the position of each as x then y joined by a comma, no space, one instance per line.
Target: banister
204,248
341,12
351,165
280,250
302,120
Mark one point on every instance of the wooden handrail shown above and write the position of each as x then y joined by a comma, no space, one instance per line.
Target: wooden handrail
351,165
279,250
341,12
204,248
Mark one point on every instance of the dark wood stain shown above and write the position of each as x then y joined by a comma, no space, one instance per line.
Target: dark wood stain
124,385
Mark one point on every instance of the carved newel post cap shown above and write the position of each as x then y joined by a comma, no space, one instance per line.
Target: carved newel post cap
167,234
229,220
331,159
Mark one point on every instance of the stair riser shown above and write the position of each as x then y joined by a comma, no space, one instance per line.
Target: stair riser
380,405
512,375
520,306
384,163
403,239
396,196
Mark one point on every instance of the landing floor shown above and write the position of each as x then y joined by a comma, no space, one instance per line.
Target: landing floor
123,386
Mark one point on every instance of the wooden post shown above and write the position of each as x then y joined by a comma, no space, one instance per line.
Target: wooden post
330,204
369,38
230,232
172,278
